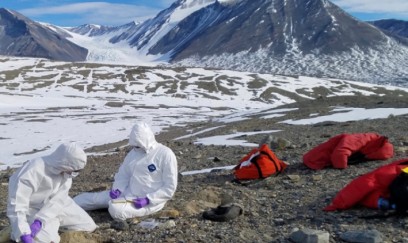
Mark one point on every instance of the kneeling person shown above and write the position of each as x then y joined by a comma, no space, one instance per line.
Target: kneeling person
39,204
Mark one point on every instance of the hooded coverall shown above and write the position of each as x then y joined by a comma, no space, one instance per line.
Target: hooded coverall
39,190
149,170
366,189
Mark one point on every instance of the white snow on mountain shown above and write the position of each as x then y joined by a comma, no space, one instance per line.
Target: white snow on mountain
101,49
355,63
181,12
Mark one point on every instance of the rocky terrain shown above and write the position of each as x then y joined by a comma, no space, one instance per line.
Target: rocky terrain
274,208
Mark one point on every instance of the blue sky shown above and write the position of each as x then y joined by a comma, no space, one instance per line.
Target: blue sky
114,13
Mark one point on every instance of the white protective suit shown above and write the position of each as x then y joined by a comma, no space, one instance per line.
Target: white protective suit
149,171
39,190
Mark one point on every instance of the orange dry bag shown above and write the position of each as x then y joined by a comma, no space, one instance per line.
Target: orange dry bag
258,164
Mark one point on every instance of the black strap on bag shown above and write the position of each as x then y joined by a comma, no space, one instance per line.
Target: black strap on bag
249,182
278,170
254,161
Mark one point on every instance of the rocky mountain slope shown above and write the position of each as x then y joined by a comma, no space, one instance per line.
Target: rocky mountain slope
98,30
288,37
20,36
291,37
314,37
398,27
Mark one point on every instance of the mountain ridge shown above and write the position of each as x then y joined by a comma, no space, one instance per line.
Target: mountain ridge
21,36
312,38
394,26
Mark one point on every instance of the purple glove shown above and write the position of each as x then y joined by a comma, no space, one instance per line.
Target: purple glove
141,202
114,193
35,227
27,238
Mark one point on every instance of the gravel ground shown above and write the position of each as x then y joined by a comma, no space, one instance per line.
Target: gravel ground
274,207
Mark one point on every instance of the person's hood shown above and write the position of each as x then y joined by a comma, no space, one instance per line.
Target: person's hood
142,136
67,157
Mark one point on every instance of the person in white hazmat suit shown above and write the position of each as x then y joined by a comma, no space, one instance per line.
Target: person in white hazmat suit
38,202
145,181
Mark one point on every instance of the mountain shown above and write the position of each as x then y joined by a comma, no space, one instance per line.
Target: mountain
20,36
97,30
398,27
146,35
290,37
313,37
278,27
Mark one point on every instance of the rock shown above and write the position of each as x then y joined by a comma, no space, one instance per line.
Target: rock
294,178
226,199
267,140
168,224
401,150
279,221
317,177
276,143
182,168
310,236
369,236
121,225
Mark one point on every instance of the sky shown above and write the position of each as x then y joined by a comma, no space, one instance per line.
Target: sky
68,13
36,117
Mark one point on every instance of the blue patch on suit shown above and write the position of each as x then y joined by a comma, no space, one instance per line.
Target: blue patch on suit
151,167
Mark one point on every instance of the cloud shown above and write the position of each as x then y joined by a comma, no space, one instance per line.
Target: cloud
375,9
94,12
374,6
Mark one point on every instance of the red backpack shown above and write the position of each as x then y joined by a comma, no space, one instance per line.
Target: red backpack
258,164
